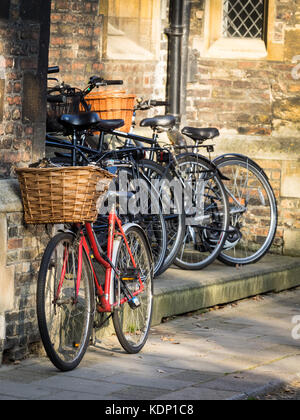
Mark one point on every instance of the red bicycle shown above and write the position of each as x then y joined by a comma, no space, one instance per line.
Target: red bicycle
77,278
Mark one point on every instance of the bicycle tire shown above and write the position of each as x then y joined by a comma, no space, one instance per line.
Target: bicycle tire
175,223
151,221
132,325
264,203
66,326
203,241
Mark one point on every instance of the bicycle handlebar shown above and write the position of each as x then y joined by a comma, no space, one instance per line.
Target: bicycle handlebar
158,103
99,81
148,104
54,69
113,82
61,99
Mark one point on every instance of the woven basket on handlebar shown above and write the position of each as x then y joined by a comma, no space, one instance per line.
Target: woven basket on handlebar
62,195
112,105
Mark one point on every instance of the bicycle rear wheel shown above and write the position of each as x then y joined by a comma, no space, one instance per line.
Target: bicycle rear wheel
252,208
132,320
65,320
207,216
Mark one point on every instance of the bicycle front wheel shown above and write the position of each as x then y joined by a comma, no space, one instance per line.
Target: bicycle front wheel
252,208
65,318
132,320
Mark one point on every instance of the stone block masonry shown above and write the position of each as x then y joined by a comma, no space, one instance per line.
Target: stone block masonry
19,264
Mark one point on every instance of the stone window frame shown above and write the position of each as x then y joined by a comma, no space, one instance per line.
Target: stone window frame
127,56
215,46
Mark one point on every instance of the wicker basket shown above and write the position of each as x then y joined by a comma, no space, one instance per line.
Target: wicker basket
113,105
62,195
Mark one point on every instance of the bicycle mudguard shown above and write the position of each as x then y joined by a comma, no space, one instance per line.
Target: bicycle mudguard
229,155
209,162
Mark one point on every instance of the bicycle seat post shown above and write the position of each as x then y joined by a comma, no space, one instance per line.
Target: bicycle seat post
101,141
155,139
74,154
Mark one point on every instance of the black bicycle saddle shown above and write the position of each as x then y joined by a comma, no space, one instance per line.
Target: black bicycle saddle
200,133
163,121
89,120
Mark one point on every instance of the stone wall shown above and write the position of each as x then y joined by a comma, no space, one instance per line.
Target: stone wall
256,105
19,265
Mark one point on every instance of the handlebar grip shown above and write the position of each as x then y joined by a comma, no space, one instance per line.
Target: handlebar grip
158,103
113,82
95,80
61,99
54,69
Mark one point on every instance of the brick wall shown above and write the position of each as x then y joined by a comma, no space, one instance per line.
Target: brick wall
23,36
75,40
256,105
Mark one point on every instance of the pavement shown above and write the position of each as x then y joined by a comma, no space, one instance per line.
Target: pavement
236,351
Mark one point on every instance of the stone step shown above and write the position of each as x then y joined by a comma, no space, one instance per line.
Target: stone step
178,291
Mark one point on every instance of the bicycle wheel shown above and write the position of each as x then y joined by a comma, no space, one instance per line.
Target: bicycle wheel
65,321
144,208
132,320
171,203
206,208
253,211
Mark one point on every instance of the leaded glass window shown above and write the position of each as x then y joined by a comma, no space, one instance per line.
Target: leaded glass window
243,18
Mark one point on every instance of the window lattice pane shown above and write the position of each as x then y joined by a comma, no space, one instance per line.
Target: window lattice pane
243,18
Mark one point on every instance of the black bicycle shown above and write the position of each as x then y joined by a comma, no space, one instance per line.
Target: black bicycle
252,203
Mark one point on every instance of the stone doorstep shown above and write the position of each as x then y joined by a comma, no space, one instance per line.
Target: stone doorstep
177,291
10,197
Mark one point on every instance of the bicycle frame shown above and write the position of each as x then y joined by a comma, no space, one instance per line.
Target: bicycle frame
88,244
